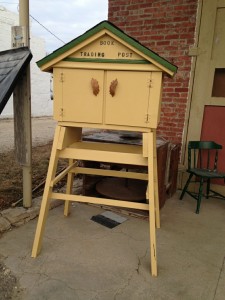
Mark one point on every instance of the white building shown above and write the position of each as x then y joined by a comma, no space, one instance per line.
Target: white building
41,103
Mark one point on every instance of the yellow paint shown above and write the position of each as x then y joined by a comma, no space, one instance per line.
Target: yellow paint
136,101
118,96
106,66
121,44
106,47
78,103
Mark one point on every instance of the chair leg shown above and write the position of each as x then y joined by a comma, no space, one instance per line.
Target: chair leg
208,188
199,195
186,186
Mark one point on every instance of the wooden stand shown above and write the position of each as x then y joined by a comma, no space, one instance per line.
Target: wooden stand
104,79
67,144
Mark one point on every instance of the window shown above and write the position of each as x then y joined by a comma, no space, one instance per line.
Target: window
218,89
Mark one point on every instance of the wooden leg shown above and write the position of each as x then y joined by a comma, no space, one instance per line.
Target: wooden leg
156,191
151,198
208,188
186,186
47,191
69,186
199,195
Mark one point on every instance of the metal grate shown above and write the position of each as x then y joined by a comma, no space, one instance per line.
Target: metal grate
108,219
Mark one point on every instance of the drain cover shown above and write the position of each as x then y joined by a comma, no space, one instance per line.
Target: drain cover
108,219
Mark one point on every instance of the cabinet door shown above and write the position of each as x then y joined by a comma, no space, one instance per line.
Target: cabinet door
80,103
129,104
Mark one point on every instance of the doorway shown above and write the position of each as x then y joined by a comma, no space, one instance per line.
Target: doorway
207,108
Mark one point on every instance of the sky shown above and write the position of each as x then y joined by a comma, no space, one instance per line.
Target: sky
66,19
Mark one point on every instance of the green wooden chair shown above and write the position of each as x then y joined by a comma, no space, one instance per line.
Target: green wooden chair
202,162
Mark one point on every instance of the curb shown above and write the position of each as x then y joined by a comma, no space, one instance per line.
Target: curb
17,216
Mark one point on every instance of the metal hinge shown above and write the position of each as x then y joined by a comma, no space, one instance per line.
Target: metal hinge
62,77
61,112
149,83
147,118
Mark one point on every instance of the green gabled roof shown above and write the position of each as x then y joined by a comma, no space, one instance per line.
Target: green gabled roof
116,31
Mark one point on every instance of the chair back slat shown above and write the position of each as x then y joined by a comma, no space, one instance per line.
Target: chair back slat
194,158
216,159
200,158
208,159
203,155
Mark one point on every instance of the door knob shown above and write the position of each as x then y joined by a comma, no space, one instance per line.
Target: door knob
95,86
112,88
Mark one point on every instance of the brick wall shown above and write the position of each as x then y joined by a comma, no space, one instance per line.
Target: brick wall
168,28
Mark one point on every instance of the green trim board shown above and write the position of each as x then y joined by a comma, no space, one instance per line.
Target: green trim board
99,60
116,31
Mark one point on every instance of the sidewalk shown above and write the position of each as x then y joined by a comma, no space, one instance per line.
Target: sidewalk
81,259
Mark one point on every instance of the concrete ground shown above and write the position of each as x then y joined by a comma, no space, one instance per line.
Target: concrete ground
81,259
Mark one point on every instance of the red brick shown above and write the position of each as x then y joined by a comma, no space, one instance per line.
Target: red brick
180,90
168,28
163,43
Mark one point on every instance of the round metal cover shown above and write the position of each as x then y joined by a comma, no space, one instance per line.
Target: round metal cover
123,189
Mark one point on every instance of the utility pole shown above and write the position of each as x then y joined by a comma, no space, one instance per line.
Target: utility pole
22,113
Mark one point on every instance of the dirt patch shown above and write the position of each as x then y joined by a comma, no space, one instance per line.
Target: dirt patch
9,286
11,177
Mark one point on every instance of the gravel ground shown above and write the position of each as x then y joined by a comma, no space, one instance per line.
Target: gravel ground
42,132
9,287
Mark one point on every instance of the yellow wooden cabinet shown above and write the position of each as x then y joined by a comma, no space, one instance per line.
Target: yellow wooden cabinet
105,79
134,103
